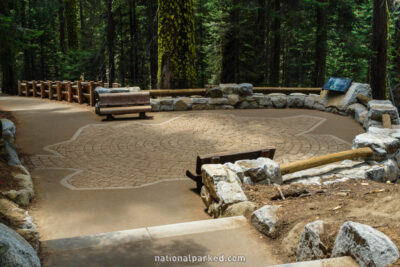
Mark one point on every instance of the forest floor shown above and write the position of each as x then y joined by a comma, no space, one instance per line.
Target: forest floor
362,201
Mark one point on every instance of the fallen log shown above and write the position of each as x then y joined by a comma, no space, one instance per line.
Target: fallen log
326,159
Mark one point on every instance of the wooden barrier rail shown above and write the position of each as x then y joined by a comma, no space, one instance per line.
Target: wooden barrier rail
83,92
80,92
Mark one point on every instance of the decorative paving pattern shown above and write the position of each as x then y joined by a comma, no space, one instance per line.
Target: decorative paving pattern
132,154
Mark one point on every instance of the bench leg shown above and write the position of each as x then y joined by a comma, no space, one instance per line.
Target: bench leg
109,117
142,115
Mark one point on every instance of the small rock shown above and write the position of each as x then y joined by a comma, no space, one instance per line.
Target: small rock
16,251
310,246
296,100
366,245
200,100
230,88
265,101
225,107
214,92
265,220
236,169
183,103
378,142
359,112
245,208
155,105
229,193
233,99
310,100
261,169
245,89
244,105
212,174
202,107
376,108
219,101
278,100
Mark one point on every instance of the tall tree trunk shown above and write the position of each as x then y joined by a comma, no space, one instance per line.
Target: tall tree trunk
152,31
321,44
230,48
110,42
122,52
7,53
276,50
26,74
176,44
62,26
132,39
82,19
71,19
379,47
260,45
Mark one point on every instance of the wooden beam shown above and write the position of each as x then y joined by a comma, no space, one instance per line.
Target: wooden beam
34,89
91,92
363,99
386,121
69,88
80,93
286,90
50,86
26,88
326,159
42,93
58,88
19,88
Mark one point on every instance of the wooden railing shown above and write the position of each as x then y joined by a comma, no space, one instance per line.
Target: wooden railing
80,92
83,92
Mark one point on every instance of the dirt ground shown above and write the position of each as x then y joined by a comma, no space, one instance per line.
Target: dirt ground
362,201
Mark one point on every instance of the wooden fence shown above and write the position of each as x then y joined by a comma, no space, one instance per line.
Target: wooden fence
80,92
83,92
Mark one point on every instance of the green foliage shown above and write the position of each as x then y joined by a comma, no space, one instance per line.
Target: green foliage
71,19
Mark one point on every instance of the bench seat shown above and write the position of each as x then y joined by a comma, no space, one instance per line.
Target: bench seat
124,110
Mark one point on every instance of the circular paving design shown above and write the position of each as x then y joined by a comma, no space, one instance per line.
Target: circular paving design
127,154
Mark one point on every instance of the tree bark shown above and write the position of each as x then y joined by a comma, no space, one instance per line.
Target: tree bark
379,48
276,50
230,49
62,26
110,42
176,44
152,40
321,44
71,19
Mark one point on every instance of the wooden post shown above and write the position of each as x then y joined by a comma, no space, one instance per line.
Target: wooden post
59,95
386,121
34,88
50,85
79,92
101,83
19,88
91,92
69,87
326,159
42,93
363,99
26,88
115,85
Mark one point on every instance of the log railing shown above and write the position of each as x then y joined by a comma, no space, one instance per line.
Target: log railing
83,92
80,92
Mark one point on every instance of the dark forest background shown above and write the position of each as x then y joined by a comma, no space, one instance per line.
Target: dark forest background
264,42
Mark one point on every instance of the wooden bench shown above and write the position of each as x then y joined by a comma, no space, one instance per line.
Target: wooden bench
221,158
110,104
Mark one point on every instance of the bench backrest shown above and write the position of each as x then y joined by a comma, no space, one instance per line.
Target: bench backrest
123,99
221,158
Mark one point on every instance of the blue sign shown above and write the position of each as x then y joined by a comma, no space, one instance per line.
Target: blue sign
337,84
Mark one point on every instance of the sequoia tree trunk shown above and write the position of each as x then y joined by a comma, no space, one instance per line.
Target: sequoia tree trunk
176,44
110,42
379,48
71,19
321,44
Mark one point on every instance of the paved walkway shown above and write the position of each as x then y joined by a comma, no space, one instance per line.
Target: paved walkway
93,177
